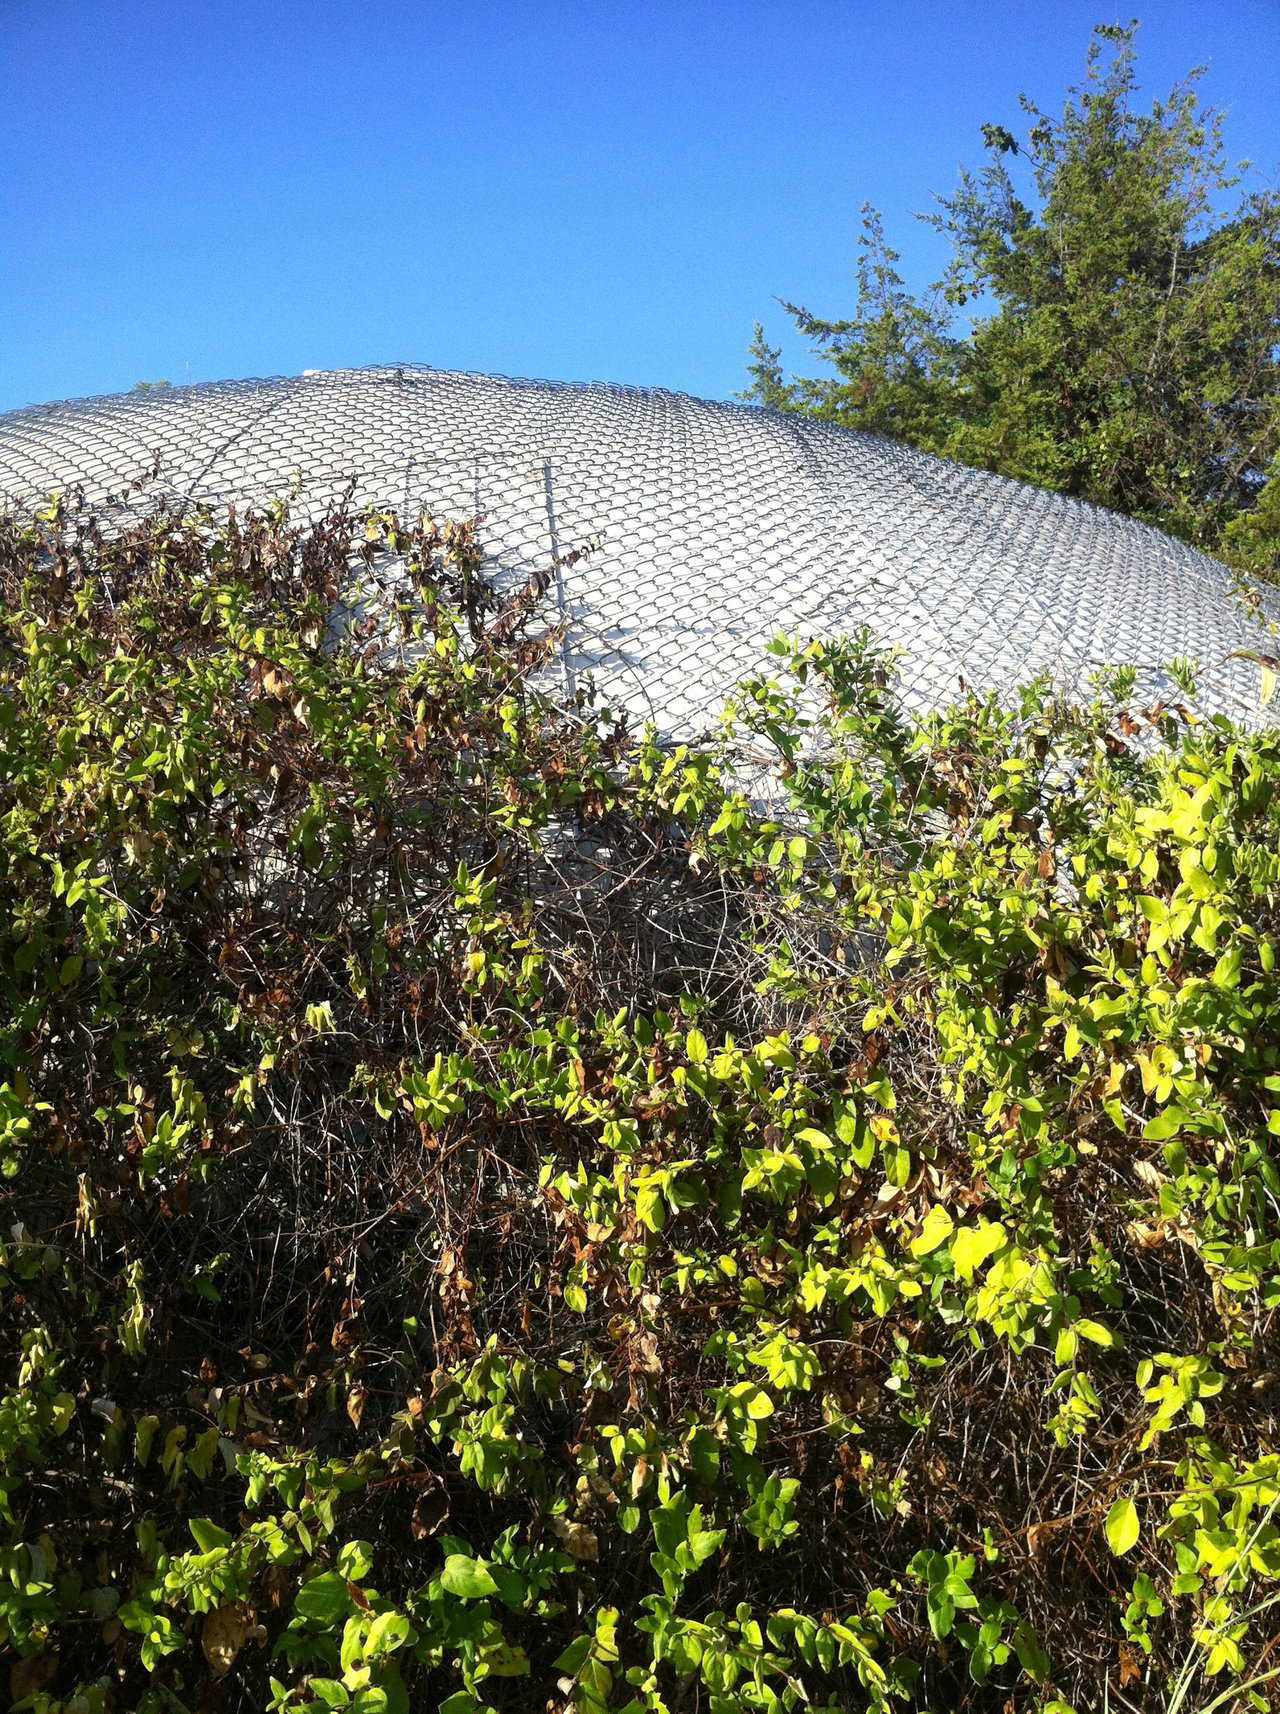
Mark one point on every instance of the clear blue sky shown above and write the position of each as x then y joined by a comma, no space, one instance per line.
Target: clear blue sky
579,189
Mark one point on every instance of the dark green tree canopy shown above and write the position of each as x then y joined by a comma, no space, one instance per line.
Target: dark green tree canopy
1102,328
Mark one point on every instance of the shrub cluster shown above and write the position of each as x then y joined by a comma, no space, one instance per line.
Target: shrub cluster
496,1217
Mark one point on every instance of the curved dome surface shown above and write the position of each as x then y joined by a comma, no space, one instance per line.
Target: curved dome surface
716,526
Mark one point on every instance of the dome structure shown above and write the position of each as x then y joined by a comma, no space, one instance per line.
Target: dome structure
713,527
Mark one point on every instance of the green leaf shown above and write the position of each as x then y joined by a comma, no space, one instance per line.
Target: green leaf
1031,1656
207,1535
355,1560
1226,972
467,1578
461,1702
651,1210
754,1400
1122,1527
324,1599
703,1543
144,1438
942,1613
1164,1125
570,1660
330,1692
388,1632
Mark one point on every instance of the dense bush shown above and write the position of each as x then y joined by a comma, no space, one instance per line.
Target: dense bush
496,1219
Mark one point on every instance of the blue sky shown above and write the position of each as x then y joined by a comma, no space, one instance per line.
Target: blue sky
575,189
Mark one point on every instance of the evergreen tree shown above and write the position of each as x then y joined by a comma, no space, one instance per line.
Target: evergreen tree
768,386
1102,328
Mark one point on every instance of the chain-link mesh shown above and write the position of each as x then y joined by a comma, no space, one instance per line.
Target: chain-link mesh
718,526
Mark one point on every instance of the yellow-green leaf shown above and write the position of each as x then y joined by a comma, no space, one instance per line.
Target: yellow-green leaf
973,1245
937,1228
1096,1333
1122,1527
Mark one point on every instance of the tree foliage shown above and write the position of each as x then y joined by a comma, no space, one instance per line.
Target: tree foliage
1105,327
496,1218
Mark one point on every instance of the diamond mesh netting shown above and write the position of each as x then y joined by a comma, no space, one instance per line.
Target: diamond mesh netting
717,527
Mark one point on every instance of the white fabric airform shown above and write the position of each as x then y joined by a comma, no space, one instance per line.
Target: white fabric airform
716,527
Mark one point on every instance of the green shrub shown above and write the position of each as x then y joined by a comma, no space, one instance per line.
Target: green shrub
496,1219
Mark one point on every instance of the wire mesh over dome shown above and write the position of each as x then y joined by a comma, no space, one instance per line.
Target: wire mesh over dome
716,526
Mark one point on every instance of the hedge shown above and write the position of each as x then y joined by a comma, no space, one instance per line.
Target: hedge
499,1215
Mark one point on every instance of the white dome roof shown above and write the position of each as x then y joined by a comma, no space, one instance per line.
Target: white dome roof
718,526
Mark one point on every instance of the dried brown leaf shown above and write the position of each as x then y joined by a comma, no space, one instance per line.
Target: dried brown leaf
223,1636
577,1540
430,1512
29,1677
